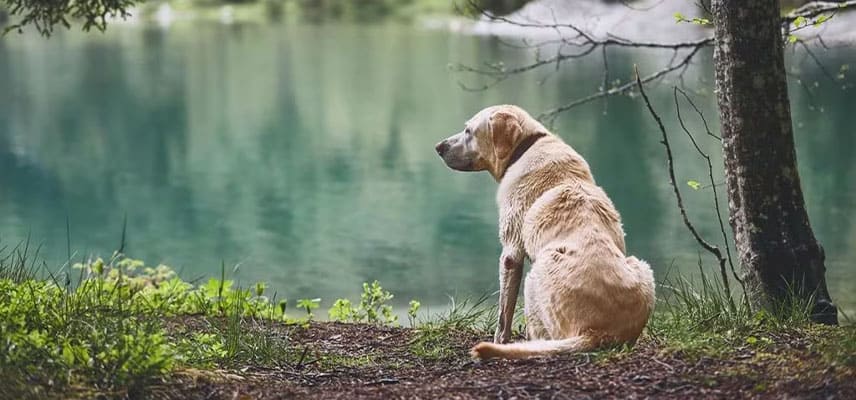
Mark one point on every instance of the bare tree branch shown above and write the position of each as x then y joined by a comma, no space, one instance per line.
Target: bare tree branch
500,73
700,114
703,243
605,82
816,60
586,43
572,45
589,40
712,185
816,8
550,115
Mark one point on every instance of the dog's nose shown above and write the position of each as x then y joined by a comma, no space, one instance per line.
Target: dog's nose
441,148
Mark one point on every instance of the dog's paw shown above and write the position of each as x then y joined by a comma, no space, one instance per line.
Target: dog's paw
482,351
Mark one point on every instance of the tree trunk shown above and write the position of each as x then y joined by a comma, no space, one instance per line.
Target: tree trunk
778,251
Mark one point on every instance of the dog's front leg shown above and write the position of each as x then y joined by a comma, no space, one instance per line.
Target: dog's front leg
510,274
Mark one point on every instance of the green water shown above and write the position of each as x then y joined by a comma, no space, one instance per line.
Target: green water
304,154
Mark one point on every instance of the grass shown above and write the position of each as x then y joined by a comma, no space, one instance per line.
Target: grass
104,329
699,319
116,326
435,337
98,335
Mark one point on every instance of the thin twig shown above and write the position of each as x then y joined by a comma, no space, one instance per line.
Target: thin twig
584,43
665,142
712,184
588,43
707,130
587,37
549,115
816,8
605,81
816,60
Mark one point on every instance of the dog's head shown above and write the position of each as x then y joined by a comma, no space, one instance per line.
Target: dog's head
488,140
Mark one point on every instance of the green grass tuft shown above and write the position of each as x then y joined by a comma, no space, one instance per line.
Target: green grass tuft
699,319
107,331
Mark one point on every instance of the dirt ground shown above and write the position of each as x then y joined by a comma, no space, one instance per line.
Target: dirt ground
354,361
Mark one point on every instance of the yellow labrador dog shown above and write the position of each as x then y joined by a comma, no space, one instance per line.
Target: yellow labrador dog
582,290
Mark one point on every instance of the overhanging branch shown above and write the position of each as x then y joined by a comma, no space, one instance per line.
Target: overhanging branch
574,42
816,8
549,116
711,248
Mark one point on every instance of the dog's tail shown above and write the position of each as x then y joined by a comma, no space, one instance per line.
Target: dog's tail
535,348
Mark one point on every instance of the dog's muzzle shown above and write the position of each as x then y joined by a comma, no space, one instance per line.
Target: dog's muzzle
442,148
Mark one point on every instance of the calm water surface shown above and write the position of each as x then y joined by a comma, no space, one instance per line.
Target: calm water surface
304,154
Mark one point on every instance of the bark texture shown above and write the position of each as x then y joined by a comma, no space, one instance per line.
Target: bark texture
777,248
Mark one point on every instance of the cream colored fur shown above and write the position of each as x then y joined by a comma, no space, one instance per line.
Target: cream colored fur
582,291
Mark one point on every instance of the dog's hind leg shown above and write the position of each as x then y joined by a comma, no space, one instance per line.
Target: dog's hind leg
532,310
644,277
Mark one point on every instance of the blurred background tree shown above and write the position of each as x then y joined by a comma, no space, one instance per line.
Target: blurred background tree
44,15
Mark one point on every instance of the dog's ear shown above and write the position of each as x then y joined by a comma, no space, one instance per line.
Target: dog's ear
507,132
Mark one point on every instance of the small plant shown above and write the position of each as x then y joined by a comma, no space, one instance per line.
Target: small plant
341,311
101,332
373,308
412,310
107,330
201,349
309,305
470,314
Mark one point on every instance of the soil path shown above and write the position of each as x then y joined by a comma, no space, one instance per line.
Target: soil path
354,361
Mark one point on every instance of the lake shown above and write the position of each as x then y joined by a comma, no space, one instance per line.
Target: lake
302,155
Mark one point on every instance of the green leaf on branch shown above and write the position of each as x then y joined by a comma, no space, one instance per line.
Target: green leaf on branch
695,20
792,39
694,184
799,21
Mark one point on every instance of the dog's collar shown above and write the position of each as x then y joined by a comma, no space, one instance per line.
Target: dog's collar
521,149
